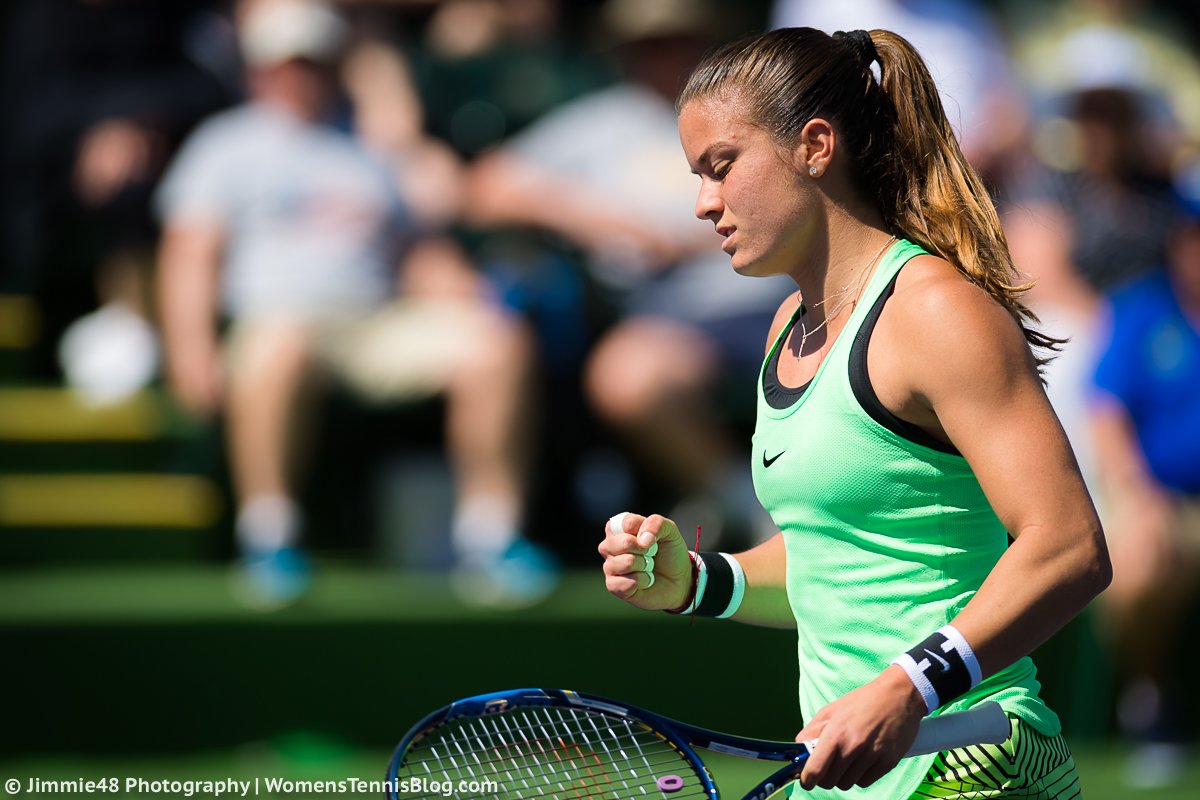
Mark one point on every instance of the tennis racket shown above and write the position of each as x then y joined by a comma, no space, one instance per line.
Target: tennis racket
541,743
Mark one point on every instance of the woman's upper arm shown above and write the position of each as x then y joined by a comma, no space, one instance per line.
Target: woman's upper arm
967,361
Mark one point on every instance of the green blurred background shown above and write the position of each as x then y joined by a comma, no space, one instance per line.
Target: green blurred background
123,652
155,671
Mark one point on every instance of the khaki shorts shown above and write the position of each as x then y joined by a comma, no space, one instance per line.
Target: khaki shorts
408,350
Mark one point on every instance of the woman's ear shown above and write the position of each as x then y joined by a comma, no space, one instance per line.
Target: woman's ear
815,147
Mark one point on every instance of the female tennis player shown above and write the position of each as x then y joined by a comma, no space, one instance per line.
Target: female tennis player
934,525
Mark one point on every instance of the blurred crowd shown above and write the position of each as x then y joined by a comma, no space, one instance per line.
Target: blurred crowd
255,203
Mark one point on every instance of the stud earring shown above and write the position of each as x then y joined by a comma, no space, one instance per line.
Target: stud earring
812,171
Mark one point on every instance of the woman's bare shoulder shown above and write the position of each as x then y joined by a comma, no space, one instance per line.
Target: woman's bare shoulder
938,316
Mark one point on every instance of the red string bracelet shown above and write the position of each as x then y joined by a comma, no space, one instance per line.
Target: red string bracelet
691,595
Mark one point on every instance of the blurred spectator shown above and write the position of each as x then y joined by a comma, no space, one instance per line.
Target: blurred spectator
965,54
292,229
1078,232
96,95
1104,218
606,173
1062,49
1146,421
488,68
389,119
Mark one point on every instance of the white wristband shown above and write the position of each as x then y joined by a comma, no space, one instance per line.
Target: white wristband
942,668
909,664
965,652
739,587
701,582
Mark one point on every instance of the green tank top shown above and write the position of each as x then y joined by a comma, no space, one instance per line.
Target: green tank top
886,538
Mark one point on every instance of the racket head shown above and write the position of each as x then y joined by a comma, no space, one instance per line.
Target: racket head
535,743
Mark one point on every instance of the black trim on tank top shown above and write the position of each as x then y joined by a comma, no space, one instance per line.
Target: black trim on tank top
864,392
777,395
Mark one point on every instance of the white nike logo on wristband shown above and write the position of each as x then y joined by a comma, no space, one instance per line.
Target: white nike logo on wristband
945,664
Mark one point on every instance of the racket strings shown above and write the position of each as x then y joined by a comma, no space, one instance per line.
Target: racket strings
655,743
570,763
552,752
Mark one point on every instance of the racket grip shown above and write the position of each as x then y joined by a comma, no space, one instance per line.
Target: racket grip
984,724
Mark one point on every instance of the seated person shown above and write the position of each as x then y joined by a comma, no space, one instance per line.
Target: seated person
291,229
1145,414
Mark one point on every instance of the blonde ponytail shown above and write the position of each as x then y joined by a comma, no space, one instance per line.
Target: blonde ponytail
928,190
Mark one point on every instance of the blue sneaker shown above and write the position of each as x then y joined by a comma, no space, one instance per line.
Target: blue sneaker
267,580
522,575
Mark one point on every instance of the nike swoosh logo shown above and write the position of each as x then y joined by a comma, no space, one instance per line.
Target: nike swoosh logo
945,664
769,461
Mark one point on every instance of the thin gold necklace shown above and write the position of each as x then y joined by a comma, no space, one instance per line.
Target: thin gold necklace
846,299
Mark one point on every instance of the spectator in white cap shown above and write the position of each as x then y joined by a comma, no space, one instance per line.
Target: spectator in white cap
292,231
277,31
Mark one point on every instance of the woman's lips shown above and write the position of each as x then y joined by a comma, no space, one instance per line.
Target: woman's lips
728,234
728,245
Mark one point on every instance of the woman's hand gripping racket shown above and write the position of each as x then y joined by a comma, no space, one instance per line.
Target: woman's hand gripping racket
539,743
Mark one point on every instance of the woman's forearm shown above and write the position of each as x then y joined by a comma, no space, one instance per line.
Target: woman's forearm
1043,581
766,602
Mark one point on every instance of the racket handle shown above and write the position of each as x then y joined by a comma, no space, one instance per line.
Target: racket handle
984,724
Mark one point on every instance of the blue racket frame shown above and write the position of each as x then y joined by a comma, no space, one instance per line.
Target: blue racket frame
682,736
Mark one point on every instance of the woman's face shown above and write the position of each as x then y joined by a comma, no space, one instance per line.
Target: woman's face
752,190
